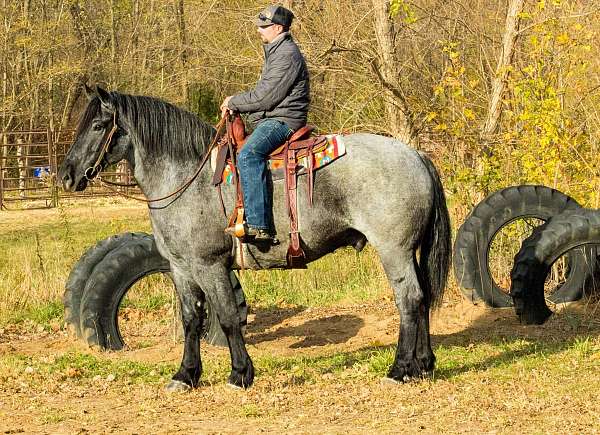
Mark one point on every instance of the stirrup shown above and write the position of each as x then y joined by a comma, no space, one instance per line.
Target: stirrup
236,230
237,226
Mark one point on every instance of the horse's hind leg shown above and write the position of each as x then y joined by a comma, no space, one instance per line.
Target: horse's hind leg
192,313
413,354
217,288
425,356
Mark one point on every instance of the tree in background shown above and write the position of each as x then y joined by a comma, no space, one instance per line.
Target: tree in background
447,76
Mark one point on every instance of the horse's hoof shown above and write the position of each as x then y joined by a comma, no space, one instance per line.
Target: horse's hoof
177,387
389,382
233,386
242,379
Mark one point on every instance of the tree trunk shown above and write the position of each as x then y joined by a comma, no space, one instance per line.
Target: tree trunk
490,126
6,120
179,12
386,71
3,163
113,41
26,8
145,48
509,40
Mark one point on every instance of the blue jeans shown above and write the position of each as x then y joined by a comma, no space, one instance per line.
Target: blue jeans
252,164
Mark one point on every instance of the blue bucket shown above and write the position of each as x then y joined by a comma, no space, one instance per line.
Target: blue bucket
41,171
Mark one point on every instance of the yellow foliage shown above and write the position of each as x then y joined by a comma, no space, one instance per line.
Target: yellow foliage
563,39
430,116
469,114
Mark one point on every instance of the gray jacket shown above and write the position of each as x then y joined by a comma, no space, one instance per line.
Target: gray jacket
282,92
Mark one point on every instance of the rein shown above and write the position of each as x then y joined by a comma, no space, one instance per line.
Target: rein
180,189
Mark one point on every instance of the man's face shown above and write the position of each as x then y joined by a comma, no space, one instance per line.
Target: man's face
269,33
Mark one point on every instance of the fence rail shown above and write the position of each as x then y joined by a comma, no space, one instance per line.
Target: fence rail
29,161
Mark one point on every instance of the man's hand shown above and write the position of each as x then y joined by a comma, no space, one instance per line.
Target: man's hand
224,106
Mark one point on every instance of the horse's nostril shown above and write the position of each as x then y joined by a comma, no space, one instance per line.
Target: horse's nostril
66,176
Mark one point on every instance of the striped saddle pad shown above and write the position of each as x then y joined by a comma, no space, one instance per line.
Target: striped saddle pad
324,153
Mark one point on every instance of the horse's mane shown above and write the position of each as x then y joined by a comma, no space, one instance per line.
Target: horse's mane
162,129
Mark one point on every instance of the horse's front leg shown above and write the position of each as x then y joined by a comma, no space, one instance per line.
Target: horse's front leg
215,281
192,314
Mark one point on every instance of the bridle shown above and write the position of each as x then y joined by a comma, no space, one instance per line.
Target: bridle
92,173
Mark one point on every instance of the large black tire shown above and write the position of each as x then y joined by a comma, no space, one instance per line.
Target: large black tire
475,236
539,251
81,271
111,278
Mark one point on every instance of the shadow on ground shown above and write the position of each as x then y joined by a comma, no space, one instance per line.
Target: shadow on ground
334,329
499,328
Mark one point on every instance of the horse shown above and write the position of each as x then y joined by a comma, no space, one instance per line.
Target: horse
381,192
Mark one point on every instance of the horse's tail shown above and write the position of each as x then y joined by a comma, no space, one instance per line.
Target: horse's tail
436,247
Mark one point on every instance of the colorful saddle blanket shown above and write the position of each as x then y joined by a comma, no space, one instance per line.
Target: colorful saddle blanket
331,149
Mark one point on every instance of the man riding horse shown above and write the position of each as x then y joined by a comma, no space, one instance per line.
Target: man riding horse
277,106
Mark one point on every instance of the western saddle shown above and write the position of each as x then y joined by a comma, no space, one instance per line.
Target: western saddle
299,145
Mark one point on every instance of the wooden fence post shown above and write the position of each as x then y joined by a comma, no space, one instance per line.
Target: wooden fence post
53,169
21,167
3,144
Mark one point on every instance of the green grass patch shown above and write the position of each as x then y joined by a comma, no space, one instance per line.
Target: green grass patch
53,416
84,366
42,314
151,293
544,363
502,359
147,302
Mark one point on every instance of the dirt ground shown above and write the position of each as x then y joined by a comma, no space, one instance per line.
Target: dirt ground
276,404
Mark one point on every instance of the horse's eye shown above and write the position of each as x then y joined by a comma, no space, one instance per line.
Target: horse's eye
98,127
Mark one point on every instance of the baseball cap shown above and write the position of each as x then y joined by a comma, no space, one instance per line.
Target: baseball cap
274,14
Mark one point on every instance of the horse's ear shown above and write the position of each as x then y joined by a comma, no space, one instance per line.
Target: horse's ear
105,98
89,92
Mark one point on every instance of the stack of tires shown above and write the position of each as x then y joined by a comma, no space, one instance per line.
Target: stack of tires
102,277
567,230
570,231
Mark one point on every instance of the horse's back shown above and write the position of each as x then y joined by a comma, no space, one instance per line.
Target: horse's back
380,166
380,187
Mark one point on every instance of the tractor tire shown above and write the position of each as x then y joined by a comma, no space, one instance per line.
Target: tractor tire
476,234
114,275
81,272
562,233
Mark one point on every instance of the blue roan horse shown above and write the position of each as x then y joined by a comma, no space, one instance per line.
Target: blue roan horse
381,191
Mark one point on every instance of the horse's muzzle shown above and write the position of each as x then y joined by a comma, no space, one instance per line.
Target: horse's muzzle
66,175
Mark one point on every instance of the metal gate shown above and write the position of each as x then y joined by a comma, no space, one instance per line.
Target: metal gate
29,161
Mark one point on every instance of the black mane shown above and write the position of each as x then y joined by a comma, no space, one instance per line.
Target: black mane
161,128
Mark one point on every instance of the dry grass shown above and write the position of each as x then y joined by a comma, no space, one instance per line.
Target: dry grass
38,249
